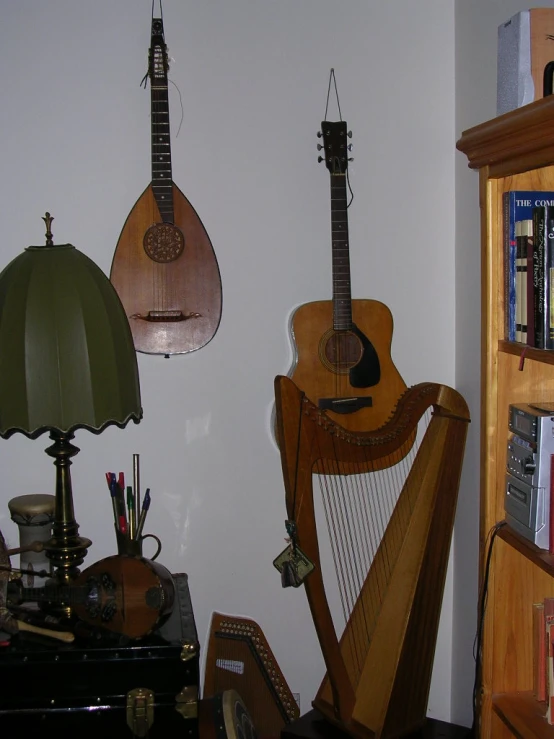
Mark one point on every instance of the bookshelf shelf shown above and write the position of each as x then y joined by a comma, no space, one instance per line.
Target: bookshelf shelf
527,352
537,556
514,151
522,714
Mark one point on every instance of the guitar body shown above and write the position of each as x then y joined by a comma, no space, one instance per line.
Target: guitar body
328,361
172,300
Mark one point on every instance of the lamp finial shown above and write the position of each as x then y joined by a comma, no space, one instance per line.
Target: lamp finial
47,218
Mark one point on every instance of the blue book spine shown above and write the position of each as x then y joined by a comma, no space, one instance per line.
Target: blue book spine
518,205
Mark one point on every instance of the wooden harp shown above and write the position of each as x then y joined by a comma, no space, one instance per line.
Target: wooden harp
374,511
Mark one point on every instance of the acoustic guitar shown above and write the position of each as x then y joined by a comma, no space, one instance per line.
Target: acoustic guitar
122,594
342,346
164,268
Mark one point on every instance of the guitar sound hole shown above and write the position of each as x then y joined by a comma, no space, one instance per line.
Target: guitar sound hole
163,242
340,350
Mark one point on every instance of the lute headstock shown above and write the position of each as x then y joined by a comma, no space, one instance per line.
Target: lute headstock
158,62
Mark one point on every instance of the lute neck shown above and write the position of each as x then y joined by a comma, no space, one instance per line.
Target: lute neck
68,594
162,180
342,291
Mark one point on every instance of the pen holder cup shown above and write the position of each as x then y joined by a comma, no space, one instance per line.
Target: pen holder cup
133,547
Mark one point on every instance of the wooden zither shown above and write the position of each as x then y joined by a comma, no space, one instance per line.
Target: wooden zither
239,658
370,517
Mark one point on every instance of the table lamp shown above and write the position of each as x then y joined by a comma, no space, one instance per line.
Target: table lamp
67,362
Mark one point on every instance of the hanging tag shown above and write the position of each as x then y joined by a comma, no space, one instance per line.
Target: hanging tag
294,566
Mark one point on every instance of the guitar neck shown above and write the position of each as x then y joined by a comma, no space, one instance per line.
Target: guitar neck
342,291
162,181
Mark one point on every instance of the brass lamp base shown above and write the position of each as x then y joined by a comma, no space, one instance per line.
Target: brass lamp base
66,549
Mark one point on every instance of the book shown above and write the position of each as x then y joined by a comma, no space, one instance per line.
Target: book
539,652
551,511
549,658
543,276
549,280
539,243
508,208
530,294
524,235
517,206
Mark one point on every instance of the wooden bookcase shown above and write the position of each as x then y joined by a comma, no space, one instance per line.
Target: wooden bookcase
511,152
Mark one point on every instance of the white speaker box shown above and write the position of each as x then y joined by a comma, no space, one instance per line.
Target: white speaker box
525,48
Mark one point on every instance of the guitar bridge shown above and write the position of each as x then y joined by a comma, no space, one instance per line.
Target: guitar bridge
165,316
345,405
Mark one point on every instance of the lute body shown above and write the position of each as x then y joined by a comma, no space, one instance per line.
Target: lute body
122,594
342,346
173,307
164,268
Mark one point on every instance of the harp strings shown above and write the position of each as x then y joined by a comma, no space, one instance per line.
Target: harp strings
357,509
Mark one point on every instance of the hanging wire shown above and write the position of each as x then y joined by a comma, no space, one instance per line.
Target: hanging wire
161,9
333,79
181,104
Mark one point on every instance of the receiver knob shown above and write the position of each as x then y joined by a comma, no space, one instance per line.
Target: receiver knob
528,465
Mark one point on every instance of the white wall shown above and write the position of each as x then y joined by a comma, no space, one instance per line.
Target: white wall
253,79
476,24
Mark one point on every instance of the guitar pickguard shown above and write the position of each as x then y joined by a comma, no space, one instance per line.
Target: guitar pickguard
367,372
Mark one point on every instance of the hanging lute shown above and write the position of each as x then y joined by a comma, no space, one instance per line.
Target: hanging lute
343,346
164,267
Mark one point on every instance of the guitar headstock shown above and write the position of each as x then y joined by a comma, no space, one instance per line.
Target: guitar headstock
335,145
158,63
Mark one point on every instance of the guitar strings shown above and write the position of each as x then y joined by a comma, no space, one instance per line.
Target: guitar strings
163,290
342,384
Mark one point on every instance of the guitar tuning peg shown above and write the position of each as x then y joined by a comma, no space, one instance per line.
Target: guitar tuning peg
350,147
320,159
349,134
319,147
350,159
319,134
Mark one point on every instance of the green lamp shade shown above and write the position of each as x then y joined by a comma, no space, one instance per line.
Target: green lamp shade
67,358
